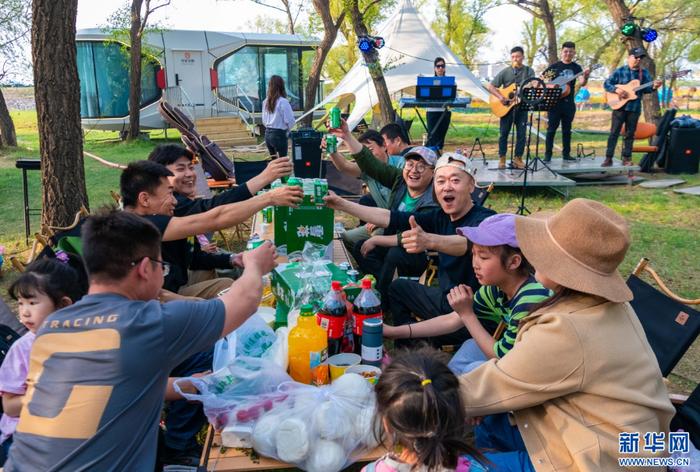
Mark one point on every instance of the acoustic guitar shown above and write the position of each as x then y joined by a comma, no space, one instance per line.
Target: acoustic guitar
563,81
632,87
511,93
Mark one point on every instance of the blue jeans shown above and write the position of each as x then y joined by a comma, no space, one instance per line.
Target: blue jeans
5,450
503,445
516,116
467,358
276,141
184,419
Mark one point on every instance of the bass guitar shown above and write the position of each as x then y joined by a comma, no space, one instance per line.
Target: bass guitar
511,94
563,80
616,102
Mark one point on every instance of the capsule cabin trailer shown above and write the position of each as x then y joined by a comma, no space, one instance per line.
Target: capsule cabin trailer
207,74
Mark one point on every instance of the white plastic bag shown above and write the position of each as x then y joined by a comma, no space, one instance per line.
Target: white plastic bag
318,429
252,339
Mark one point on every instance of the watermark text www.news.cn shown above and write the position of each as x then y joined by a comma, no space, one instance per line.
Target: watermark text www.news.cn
675,444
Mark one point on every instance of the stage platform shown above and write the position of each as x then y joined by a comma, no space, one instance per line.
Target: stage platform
562,174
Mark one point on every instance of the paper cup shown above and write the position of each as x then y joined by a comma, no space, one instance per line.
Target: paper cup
369,372
341,362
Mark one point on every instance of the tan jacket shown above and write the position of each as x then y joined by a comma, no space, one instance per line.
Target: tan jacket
580,372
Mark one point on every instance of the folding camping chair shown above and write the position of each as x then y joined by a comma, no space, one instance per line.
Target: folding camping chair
669,324
481,194
65,238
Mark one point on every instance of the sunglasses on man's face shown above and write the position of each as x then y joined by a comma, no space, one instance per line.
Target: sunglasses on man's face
440,66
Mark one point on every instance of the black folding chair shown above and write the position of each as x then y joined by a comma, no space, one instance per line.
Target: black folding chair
481,194
670,325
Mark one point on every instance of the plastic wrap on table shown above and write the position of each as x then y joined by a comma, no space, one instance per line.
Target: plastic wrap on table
318,429
254,338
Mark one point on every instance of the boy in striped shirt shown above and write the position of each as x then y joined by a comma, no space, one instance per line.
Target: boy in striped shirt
508,291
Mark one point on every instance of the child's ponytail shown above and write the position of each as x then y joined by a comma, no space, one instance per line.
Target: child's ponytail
418,398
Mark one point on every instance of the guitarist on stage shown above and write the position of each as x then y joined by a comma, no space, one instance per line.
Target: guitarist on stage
517,73
565,110
629,114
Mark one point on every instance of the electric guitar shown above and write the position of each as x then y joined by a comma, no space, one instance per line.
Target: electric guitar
498,108
616,102
563,80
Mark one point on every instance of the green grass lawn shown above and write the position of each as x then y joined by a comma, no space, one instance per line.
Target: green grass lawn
664,225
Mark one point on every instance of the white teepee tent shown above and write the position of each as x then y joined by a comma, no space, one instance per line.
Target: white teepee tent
409,50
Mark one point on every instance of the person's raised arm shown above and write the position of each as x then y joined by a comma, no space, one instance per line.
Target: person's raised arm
225,216
244,296
11,404
343,165
374,215
461,299
417,240
276,168
444,324
344,133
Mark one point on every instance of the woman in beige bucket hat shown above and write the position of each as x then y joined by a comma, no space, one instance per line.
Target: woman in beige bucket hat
581,371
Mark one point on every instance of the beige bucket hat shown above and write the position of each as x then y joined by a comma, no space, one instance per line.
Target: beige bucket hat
579,247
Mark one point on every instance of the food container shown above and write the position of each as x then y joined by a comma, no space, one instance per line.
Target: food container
341,362
369,372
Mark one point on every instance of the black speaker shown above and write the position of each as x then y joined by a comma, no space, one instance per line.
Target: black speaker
683,151
306,153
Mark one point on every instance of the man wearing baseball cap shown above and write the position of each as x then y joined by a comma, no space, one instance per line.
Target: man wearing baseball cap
380,254
628,115
432,230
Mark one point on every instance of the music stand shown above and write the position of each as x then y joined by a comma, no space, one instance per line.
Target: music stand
535,99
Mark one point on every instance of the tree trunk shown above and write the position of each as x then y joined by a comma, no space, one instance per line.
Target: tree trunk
375,68
135,70
620,13
330,32
599,52
448,25
57,94
547,18
7,127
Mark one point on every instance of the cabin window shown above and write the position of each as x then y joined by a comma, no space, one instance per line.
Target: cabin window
244,74
103,69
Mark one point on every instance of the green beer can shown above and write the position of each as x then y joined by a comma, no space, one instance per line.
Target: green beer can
309,191
320,190
294,181
335,117
331,144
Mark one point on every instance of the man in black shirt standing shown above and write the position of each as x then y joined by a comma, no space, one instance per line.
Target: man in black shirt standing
564,111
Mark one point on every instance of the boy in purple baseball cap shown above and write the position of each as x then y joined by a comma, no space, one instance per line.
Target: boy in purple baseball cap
508,290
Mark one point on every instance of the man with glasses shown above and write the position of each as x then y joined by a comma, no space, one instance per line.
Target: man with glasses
432,230
147,191
380,255
438,118
100,368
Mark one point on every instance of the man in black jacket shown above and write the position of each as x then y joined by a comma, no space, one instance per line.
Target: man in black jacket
204,257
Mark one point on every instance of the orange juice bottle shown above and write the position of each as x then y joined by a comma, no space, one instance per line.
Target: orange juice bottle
308,350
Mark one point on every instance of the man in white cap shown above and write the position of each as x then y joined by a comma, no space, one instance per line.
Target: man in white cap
411,191
433,230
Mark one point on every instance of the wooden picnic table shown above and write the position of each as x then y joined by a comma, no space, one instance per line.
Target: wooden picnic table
216,458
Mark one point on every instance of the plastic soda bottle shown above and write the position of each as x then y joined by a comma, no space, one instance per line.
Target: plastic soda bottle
332,317
308,350
366,306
